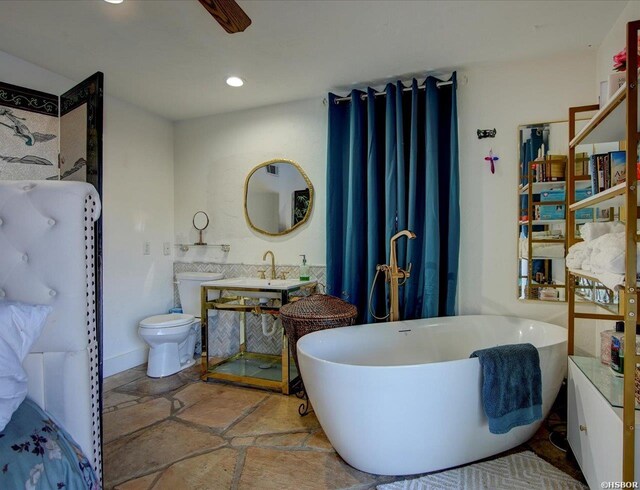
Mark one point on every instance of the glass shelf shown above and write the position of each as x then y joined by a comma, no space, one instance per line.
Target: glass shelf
184,247
256,366
583,302
602,377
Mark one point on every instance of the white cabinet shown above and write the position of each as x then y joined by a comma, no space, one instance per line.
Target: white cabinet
594,430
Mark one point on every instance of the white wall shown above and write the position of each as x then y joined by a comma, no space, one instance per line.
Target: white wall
213,155
503,97
19,72
138,206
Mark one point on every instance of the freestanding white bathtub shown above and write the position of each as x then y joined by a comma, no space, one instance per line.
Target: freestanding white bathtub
403,398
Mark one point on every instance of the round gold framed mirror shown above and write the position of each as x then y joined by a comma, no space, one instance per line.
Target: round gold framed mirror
278,197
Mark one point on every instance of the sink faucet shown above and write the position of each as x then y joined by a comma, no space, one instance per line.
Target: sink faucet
273,262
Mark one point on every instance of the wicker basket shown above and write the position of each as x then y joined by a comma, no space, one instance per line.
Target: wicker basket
313,313
637,383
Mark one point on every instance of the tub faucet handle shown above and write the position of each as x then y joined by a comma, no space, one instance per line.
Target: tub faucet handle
403,275
262,274
283,275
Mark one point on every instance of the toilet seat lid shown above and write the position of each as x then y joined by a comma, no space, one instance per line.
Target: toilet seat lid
170,320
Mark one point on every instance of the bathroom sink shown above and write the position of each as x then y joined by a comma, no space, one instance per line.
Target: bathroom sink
250,287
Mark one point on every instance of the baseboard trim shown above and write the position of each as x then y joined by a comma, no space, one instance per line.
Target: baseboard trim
120,363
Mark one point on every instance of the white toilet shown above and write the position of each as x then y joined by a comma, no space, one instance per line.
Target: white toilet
172,338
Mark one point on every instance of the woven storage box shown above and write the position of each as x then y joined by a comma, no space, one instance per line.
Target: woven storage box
313,313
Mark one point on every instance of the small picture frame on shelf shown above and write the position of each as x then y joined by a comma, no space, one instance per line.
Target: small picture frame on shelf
616,80
604,93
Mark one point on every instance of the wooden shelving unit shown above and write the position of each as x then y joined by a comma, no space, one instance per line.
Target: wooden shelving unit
617,120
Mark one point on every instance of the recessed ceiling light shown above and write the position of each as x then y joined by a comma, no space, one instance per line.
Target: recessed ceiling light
114,1
235,82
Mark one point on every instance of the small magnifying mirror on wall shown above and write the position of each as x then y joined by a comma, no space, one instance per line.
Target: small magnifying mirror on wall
200,223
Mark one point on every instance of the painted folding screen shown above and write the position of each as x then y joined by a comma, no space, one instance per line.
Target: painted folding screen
29,133
81,132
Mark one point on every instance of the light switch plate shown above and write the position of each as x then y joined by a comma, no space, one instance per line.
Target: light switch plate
146,248
166,247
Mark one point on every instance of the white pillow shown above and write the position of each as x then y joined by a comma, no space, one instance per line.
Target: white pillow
20,326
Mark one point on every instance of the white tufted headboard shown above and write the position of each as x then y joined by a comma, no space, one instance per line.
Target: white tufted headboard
47,257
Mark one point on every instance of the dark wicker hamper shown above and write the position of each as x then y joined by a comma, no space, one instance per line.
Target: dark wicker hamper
313,313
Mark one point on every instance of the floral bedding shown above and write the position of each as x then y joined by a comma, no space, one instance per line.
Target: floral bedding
37,454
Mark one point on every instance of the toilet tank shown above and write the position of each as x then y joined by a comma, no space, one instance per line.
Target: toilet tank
189,289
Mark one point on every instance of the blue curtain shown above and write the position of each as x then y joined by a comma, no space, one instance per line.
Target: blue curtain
392,164
528,153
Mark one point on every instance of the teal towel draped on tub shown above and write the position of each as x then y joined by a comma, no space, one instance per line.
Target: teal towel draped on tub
511,386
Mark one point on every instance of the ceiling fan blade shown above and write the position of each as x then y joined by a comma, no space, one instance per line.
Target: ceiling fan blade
228,14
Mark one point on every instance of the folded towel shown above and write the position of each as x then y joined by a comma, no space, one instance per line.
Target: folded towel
577,248
607,254
591,231
613,261
511,386
577,255
608,240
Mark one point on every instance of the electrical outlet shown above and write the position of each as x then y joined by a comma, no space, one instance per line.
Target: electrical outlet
166,247
146,248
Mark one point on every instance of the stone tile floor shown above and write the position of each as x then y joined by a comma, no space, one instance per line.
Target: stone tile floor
180,433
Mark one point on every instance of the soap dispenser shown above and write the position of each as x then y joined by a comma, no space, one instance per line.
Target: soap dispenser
304,269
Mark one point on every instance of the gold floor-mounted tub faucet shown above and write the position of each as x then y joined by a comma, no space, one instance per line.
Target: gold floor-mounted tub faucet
393,275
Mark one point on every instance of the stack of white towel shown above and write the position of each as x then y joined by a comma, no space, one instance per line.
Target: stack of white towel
602,252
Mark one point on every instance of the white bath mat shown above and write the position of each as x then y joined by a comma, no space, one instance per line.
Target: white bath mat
518,471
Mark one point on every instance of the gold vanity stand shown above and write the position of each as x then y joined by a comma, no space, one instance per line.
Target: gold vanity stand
248,368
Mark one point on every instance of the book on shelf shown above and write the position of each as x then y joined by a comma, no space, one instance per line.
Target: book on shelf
556,165
608,169
537,172
581,164
600,169
540,170
549,168
618,160
593,171
638,162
